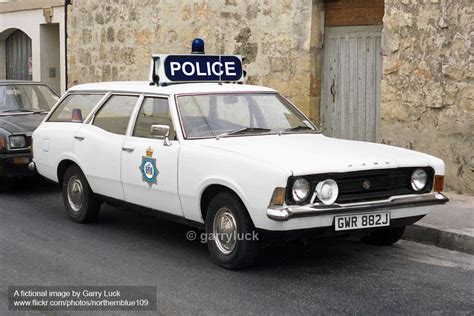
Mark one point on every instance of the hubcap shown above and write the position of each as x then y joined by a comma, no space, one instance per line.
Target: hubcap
225,231
75,193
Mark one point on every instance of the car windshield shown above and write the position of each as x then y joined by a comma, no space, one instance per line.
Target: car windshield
220,115
26,98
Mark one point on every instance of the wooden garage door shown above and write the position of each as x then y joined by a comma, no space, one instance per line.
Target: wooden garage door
351,82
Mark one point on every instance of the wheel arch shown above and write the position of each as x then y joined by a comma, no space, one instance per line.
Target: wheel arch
62,167
211,191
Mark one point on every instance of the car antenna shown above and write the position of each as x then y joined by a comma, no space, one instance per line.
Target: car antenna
155,78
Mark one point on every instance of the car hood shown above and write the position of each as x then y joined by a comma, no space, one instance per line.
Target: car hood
316,153
21,123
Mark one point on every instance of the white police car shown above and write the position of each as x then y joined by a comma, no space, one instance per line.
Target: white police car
233,159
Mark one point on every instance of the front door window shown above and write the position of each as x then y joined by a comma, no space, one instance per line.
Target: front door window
154,111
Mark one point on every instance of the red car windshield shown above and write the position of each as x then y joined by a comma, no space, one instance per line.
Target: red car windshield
26,98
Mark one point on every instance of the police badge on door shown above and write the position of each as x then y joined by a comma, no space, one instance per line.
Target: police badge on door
148,168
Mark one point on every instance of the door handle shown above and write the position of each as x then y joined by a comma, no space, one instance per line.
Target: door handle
79,138
128,149
332,89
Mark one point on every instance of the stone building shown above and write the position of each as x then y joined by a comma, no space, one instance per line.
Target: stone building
32,41
396,71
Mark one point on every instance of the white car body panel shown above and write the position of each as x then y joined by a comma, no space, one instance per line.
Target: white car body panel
200,167
56,144
246,157
251,166
175,89
315,153
163,195
99,153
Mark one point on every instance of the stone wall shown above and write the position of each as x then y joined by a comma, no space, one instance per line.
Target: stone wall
427,87
114,40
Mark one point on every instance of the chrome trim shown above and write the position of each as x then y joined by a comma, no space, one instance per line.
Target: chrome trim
128,149
412,200
32,166
224,230
133,117
75,193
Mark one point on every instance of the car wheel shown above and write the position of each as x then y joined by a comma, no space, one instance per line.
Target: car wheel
384,237
81,204
232,241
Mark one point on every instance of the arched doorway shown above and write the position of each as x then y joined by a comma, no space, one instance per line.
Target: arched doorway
18,56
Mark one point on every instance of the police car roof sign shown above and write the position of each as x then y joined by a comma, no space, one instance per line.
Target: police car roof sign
196,68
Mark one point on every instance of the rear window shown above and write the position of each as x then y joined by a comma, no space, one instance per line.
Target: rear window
115,114
81,104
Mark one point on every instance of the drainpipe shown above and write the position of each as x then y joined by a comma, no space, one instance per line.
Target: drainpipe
66,3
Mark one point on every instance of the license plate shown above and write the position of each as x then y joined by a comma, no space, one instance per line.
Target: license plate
21,160
360,221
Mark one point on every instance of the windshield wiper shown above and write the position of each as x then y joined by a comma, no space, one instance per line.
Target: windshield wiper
244,130
296,128
23,111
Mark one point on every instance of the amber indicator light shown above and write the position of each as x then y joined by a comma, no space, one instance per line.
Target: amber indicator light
439,183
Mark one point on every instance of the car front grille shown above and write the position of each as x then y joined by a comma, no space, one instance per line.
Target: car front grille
379,184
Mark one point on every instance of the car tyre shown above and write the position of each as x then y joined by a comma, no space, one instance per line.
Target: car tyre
227,220
81,204
385,237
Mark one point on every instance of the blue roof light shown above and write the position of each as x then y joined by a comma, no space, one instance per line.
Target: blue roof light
197,46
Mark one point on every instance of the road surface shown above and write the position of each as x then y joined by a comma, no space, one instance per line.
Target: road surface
41,246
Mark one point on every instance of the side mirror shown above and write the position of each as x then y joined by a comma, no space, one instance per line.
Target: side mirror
161,131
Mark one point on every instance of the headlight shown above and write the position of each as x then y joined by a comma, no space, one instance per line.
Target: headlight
17,141
300,190
327,191
419,178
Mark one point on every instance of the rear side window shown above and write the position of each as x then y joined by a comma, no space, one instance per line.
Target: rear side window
115,114
83,103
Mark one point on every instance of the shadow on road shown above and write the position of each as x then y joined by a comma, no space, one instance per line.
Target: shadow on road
327,254
130,226
29,185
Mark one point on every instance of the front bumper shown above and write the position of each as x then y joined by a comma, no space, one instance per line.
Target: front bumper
15,165
405,201
328,231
